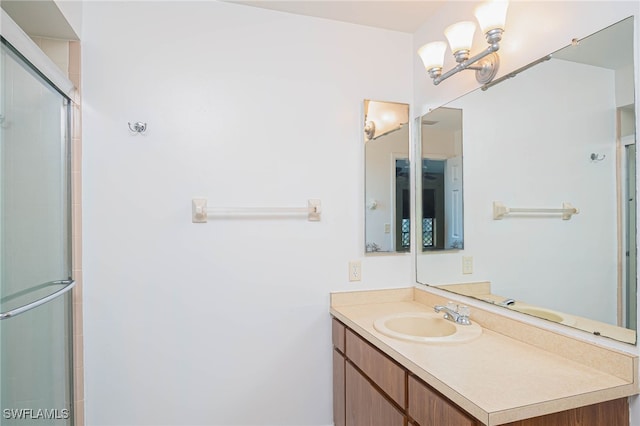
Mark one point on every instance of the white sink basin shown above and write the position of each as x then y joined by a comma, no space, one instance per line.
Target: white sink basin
426,327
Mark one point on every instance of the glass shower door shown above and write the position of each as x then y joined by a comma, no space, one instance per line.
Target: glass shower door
35,268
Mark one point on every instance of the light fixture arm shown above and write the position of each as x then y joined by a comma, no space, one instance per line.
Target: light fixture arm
491,16
485,70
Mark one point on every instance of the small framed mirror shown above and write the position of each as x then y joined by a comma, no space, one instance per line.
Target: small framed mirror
387,201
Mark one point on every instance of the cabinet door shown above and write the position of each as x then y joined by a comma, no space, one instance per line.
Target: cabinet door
365,406
338,389
389,376
429,408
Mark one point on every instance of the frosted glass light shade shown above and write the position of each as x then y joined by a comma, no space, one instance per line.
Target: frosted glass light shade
432,54
460,36
492,15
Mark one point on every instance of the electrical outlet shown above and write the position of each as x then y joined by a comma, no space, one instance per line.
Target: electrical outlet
355,270
467,264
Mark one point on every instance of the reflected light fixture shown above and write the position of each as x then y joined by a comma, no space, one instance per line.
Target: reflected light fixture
491,16
382,118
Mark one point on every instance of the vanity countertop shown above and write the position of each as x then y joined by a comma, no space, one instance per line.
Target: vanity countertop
497,377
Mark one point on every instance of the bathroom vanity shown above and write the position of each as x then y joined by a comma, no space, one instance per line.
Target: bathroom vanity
512,373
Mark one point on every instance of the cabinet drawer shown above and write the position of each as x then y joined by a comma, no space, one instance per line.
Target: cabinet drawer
365,405
429,408
390,377
337,334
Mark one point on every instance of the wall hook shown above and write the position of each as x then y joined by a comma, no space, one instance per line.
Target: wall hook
138,127
597,157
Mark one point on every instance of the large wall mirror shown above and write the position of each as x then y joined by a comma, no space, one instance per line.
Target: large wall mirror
552,137
387,170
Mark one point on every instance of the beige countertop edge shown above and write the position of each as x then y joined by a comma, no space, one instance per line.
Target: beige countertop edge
488,418
548,407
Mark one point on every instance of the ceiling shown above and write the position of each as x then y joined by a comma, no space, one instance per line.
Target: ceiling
404,16
43,18
39,18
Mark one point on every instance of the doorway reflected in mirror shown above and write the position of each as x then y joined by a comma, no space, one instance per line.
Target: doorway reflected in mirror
440,184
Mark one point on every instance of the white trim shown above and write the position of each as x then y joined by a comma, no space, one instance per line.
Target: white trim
27,48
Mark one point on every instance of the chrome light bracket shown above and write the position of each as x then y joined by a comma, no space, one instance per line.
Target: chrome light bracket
487,68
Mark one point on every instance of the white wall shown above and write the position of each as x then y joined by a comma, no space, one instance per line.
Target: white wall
224,323
624,93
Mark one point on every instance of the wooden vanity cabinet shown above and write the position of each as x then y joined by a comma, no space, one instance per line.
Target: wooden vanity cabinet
609,413
371,389
427,407
357,401
366,405
339,388
339,362
382,371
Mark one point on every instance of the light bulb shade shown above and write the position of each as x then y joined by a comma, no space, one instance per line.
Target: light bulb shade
492,15
432,54
460,36
383,117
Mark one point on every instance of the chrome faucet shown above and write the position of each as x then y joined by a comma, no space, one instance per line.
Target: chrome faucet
455,316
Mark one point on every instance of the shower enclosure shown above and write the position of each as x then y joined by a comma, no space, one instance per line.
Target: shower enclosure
36,363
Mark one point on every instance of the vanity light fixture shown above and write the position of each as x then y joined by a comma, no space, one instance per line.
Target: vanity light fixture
370,129
491,16
382,118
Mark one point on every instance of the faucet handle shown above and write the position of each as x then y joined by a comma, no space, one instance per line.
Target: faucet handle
464,313
452,306
464,310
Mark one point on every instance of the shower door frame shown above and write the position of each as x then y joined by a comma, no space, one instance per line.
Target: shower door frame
33,56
